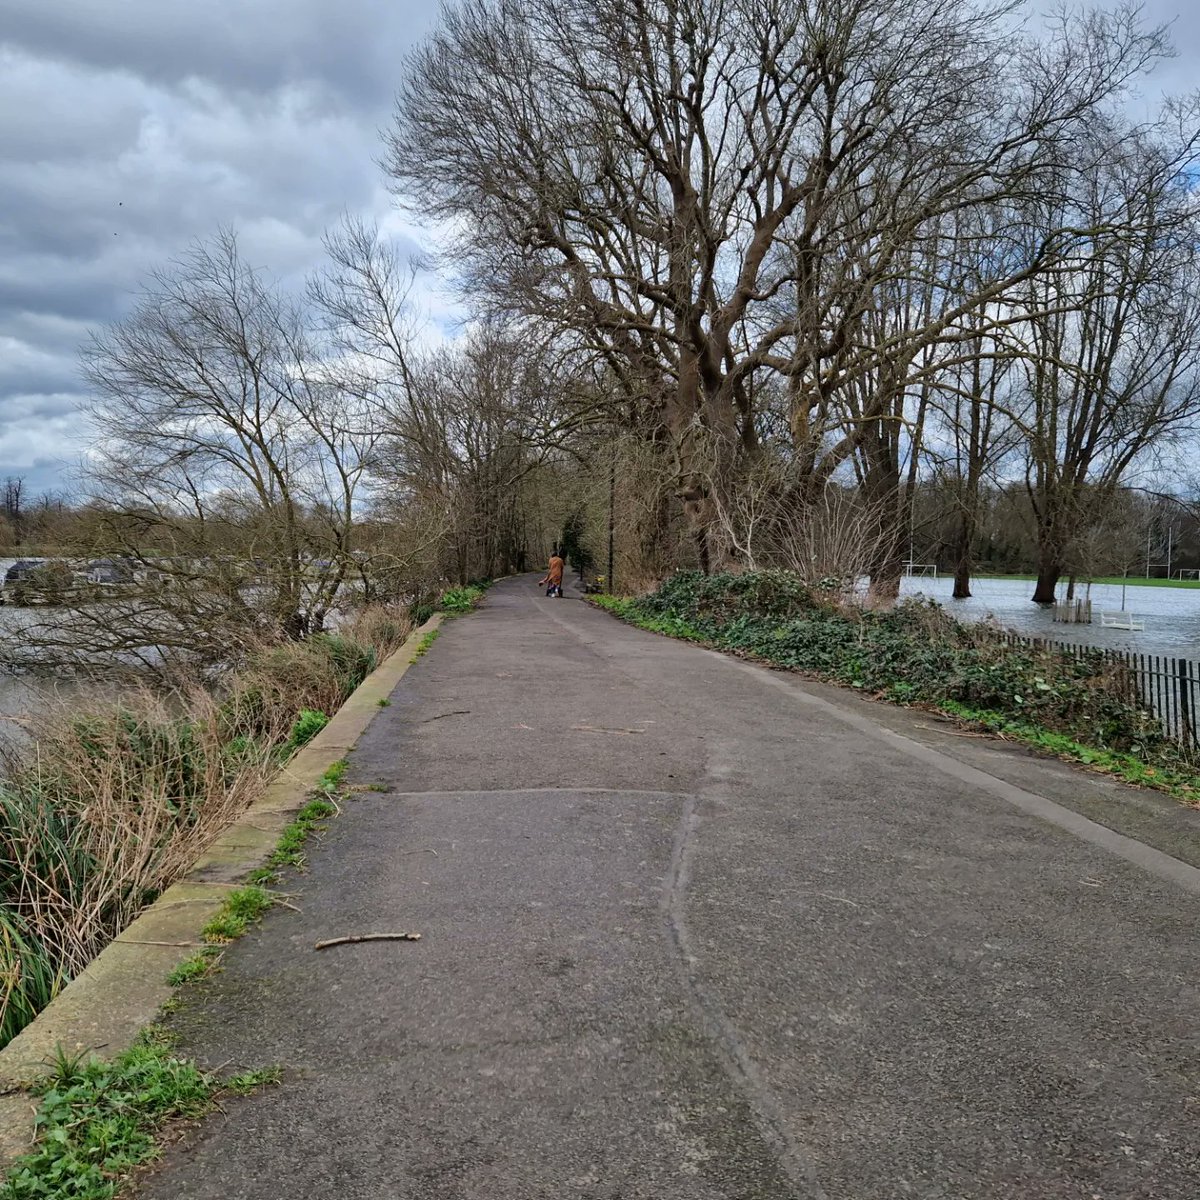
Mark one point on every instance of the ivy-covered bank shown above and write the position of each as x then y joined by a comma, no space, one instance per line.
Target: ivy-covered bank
915,653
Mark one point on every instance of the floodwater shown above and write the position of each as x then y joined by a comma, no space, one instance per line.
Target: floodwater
23,696
1172,615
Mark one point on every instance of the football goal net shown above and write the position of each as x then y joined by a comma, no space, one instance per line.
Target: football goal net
922,570
1185,573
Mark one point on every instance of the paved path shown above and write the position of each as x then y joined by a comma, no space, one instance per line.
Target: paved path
695,930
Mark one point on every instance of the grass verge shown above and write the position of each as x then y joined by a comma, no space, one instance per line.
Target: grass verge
242,908
248,905
1083,709
97,1120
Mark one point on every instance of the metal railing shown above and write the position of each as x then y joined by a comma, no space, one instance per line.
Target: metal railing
1168,687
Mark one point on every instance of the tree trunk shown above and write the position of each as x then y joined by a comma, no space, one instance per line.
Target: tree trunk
963,560
1049,573
882,487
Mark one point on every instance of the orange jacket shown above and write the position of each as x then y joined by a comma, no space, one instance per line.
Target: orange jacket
555,574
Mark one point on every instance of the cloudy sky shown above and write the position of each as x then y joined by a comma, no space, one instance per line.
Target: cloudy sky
130,127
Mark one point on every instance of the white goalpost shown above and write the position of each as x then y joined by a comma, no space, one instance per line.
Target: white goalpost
921,570
1186,573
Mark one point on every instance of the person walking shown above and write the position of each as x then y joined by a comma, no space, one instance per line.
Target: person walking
554,576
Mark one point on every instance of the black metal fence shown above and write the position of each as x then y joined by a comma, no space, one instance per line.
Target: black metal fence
1168,687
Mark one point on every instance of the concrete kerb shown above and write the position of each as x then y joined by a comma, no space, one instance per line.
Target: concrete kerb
122,990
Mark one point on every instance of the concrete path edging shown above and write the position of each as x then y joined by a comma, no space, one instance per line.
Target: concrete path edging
122,990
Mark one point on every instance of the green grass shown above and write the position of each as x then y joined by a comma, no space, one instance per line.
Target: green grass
247,905
195,967
243,907
665,623
32,978
97,1120
307,725
333,775
251,1081
1129,768
459,600
289,851
426,642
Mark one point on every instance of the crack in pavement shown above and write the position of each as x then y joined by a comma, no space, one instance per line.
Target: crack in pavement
731,1053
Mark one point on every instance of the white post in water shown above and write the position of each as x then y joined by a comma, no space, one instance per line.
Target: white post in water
1124,581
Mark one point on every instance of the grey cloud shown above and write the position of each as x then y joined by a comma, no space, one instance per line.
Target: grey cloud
128,130
257,44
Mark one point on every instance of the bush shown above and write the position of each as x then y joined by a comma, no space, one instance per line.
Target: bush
308,724
461,600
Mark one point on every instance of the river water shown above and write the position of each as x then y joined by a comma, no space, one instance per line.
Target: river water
1172,615
23,696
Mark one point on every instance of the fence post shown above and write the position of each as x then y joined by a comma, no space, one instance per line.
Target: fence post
1187,726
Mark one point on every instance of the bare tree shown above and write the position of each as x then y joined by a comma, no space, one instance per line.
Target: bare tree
1111,343
14,488
713,195
227,473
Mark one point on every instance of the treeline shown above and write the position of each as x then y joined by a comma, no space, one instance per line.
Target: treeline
266,461
1131,532
32,520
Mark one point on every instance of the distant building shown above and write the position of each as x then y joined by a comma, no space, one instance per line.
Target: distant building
110,570
21,570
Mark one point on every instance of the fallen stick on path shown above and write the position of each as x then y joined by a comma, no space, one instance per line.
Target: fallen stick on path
369,937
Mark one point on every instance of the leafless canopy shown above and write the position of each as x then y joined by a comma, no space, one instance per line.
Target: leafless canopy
726,200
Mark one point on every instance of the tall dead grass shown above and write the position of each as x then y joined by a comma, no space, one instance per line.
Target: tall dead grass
119,798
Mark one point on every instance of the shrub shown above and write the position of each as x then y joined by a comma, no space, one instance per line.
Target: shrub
308,724
461,599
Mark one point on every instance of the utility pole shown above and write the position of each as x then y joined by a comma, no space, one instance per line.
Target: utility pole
612,506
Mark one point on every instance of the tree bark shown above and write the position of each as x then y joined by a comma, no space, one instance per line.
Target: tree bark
1049,573
963,560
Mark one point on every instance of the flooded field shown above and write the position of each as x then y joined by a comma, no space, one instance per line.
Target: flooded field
1172,615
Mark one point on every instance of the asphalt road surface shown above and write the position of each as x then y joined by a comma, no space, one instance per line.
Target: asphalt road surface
692,929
